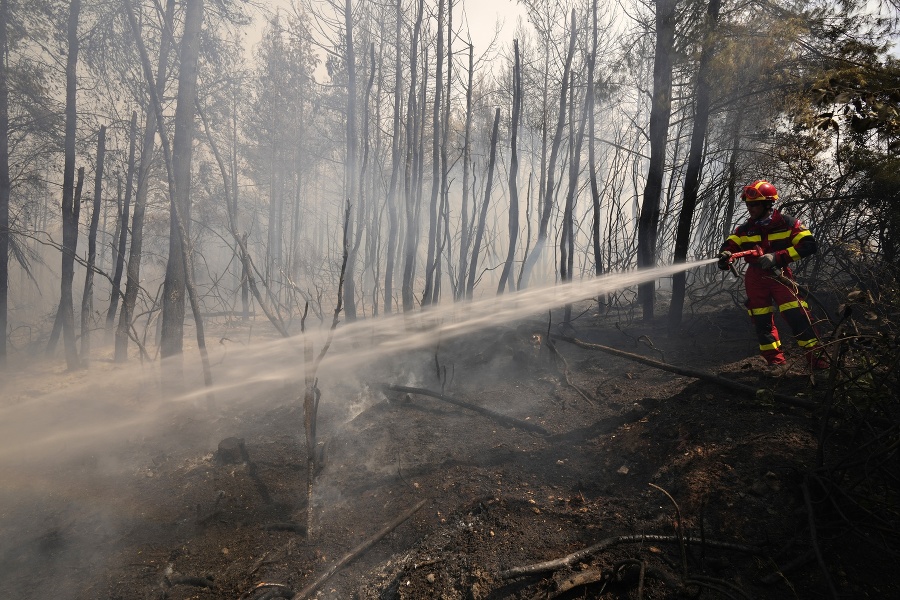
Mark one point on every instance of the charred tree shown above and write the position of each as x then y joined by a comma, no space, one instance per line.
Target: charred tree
87,298
592,161
391,249
464,211
433,215
479,233
660,112
70,207
4,181
123,227
548,192
350,168
133,274
174,286
412,226
513,172
695,162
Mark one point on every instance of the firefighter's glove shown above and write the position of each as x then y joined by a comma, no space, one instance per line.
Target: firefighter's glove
766,261
724,260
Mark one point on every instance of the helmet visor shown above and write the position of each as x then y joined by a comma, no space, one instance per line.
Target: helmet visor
751,194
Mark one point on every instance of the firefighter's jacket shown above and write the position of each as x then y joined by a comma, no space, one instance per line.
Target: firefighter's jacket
779,234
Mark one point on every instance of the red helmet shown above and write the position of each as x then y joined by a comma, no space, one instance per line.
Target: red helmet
759,191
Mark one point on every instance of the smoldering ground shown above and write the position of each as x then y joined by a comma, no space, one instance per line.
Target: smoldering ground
78,450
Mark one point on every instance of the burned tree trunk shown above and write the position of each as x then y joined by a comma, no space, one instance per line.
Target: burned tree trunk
70,205
4,184
551,166
479,233
660,111
464,216
123,227
350,168
513,172
133,274
175,284
87,298
391,249
433,217
695,162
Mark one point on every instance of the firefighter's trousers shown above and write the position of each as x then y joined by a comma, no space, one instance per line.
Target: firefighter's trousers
764,290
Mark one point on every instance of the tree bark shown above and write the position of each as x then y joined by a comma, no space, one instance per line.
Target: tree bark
391,249
412,226
133,274
87,297
479,234
513,172
172,341
695,163
350,168
70,207
433,216
660,111
595,190
551,166
4,182
123,227
464,216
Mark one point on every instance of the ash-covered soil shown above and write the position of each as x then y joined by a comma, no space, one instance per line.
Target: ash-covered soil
683,487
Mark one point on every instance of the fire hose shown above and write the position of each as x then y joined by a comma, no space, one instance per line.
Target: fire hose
777,275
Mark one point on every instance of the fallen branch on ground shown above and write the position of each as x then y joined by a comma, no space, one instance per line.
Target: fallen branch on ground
727,383
571,559
357,552
511,421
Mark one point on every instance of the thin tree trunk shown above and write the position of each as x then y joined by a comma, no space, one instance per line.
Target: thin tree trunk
660,111
444,210
60,317
193,20
4,182
123,227
464,216
551,166
391,249
513,172
133,274
479,234
433,217
412,226
87,297
175,284
350,170
70,207
595,190
695,163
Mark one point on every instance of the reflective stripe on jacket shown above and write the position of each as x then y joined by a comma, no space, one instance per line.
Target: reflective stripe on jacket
781,235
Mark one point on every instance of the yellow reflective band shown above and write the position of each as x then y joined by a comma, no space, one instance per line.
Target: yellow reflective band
791,305
735,239
793,253
800,236
807,343
773,346
780,235
750,239
753,312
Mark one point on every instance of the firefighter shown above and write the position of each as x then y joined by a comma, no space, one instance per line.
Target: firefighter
783,240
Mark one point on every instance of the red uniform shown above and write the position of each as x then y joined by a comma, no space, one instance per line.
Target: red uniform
788,240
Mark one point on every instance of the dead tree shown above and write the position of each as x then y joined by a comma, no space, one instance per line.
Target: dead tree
4,184
123,227
660,111
87,298
133,274
391,249
479,233
513,171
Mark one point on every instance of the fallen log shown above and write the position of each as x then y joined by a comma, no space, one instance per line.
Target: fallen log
721,381
356,552
510,421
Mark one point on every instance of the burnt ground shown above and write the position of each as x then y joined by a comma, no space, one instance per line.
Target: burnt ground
648,452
